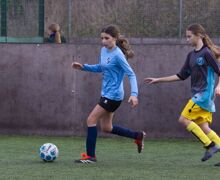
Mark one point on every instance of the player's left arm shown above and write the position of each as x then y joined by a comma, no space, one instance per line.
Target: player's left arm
211,60
217,88
132,78
215,65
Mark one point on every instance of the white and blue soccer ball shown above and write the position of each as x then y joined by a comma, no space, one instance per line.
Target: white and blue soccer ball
48,152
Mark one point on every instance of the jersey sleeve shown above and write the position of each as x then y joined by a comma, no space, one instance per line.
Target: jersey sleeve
185,71
130,73
96,68
211,60
92,68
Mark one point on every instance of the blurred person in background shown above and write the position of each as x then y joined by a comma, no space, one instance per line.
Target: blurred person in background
54,33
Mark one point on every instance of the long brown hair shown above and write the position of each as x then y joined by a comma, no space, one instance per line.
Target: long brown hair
121,42
198,30
56,29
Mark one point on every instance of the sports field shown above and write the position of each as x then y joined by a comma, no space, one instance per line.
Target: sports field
117,159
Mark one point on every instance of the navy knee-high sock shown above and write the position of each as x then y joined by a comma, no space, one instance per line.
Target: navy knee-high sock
91,141
121,131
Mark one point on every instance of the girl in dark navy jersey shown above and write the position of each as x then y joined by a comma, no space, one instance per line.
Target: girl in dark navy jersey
114,66
202,66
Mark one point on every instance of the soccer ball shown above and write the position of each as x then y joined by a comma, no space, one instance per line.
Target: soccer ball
48,152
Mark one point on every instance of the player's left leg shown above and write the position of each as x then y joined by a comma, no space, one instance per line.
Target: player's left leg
204,121
106,125
210,133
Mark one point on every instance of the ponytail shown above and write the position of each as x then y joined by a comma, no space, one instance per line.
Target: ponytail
57,37
215,49
125,47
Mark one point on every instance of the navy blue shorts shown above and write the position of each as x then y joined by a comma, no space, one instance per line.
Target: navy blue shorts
108,104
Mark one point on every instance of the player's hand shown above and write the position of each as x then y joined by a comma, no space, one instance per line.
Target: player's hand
77,65
151,80
217,91
133,100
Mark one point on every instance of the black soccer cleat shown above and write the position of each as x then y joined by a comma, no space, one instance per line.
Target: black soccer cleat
210,151
140,141
86,159
217,164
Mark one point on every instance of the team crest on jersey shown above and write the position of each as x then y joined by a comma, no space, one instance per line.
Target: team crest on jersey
200,61
108,60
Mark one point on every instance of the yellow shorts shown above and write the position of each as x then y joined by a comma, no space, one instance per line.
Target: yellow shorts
195,113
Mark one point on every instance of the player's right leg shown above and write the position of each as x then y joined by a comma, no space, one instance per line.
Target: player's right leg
89,156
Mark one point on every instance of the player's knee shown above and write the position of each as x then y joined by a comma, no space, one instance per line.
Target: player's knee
205,127
183,121
180,120
106,129
91,121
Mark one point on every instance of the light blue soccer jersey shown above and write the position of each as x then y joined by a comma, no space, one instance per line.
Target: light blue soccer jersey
113,66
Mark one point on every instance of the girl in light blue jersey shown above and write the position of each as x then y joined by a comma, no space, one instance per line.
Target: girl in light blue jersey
114,66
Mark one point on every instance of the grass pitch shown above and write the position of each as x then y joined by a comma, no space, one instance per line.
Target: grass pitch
167,159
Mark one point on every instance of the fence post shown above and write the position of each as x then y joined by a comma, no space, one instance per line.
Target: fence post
69,4
41,18
4,18
181,19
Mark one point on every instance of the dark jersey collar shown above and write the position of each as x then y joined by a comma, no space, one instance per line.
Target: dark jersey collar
196,51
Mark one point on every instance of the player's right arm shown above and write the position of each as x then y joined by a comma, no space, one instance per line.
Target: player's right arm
162,79
184,73
87,67
76,65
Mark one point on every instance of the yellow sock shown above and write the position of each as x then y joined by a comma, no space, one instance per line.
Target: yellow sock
214,137
197,131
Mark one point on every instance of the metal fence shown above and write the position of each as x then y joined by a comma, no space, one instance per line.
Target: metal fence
22,20
29,19
145,18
